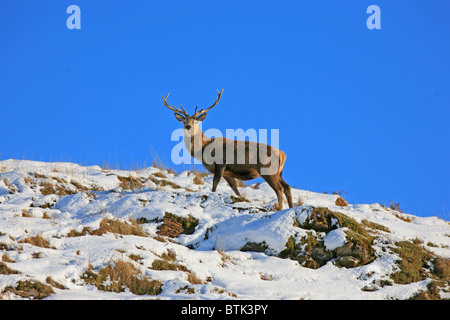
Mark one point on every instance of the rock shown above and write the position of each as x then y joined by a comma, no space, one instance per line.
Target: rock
347,262
311,250
320,220
321,255
370,288
255,247
346,250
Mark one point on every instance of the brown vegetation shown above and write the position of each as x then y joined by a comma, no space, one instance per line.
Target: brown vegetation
31,289
374,226
416,264
5,270
198,179
167,265
167,262
38,241
235,199
130,227
49,188
193,279
174,225
341,202
414,259
122,275
164,183
130,183
54,284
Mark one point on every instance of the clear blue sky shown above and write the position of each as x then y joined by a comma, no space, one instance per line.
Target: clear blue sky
362,110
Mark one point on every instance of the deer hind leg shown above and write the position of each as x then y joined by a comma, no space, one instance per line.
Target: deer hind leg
286,187
275,184
232,183
287,192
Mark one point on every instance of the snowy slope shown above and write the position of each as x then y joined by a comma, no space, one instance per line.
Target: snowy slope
238,250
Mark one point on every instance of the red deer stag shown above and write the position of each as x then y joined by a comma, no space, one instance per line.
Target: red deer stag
231,159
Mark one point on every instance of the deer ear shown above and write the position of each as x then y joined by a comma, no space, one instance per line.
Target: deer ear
201,117
179,117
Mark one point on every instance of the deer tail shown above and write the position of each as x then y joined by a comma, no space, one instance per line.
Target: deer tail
282,160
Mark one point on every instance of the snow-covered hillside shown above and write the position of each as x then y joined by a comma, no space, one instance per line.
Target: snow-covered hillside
74,232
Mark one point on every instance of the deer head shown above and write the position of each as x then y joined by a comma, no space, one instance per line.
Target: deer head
191,122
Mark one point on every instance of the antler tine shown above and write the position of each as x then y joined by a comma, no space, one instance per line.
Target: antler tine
172,107
203,111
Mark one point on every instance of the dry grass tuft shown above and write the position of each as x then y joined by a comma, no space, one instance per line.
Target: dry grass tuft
193,279
169,256
375,226
12,188
46,215
26,213
74,233
130,227
341,202
130,183
54,284
5,270
159,175
37,241
164,182
403,217
116,226
49,188
167,262
6,258
442,268
198,178
122,275
395,206
418,264
167,265
31,289
223,291
235,199
414,259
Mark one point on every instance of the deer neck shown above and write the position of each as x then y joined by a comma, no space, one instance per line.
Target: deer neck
194,142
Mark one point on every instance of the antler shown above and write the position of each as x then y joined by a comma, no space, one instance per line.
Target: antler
203,111
172,107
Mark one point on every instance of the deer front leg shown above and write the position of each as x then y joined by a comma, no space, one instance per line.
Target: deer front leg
218,173
233,185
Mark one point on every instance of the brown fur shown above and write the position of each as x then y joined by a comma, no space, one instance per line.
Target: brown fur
247,171
252,167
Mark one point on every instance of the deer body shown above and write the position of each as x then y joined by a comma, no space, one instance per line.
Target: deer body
233,159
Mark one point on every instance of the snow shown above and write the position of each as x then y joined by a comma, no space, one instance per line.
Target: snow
213,252
335,239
